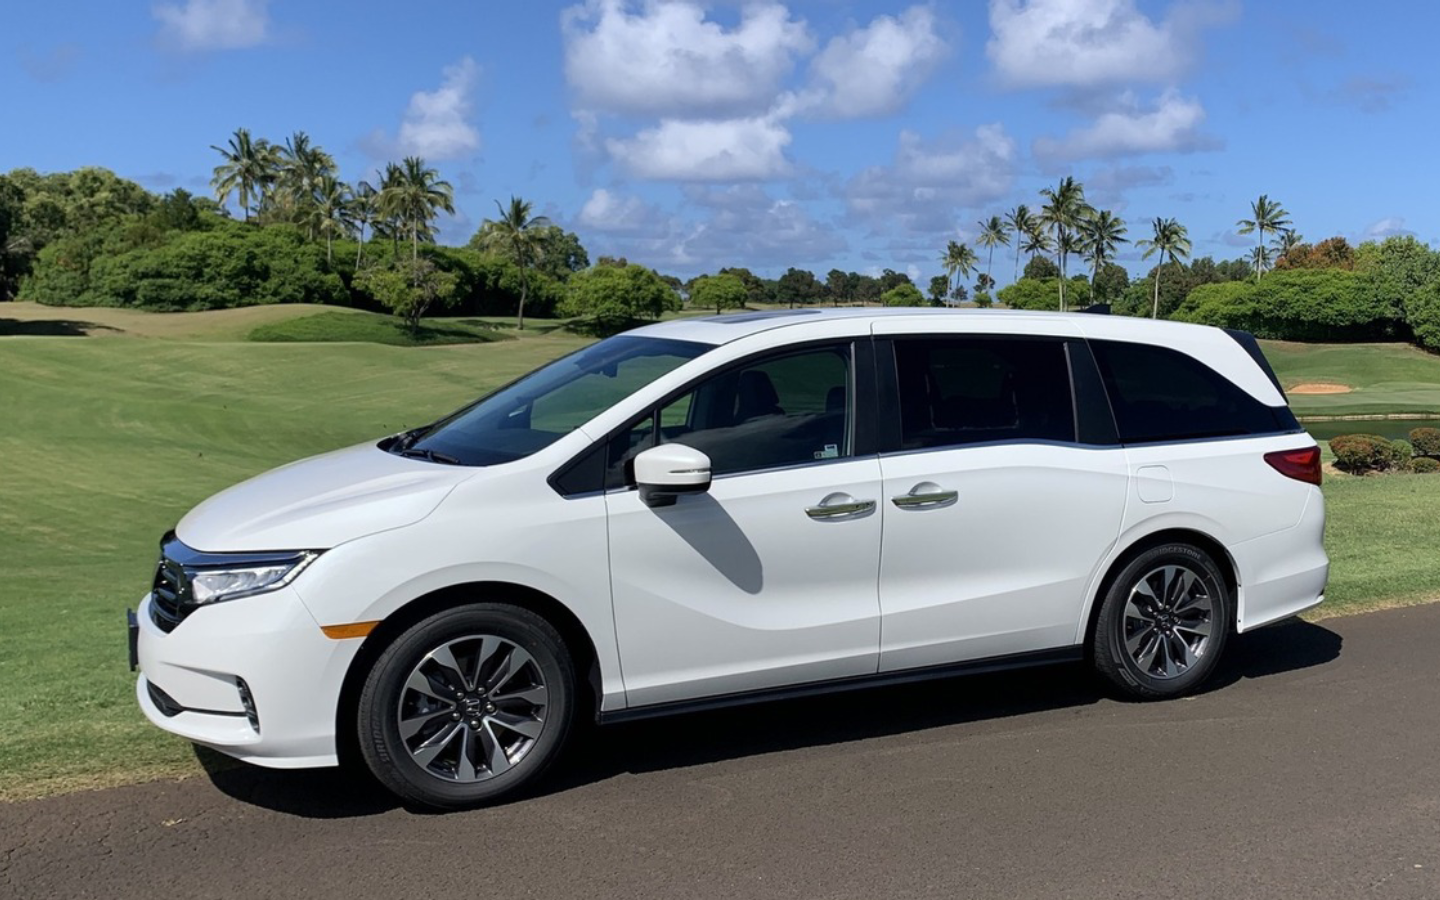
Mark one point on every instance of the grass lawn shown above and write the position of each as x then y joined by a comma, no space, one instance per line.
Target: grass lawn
110,438
368,327
1386,379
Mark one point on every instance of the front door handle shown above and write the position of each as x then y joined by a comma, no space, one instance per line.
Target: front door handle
925,495
839,506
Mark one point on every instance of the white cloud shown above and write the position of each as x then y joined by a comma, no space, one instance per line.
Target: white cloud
437,123
712,150
213,24
666,59
607,210
930,182
1090,43
745,226
874,70
1390,226
1171,126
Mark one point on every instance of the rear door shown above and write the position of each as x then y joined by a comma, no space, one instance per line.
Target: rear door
996,513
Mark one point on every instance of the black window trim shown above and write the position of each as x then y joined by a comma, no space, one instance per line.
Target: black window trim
860,395
889,427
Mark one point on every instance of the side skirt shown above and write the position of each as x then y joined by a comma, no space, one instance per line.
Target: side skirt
859,682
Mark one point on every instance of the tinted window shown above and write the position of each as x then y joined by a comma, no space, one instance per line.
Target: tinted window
970,390
777,412
1159,394
537,410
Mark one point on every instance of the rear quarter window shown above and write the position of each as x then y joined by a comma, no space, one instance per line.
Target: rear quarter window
1159,394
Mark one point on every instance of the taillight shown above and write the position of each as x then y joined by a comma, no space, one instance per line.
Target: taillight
1301,465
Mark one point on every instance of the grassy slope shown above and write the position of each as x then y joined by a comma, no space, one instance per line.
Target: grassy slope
108,441
1387,378
367,327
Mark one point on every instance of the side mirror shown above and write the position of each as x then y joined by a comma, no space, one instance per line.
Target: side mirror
669,470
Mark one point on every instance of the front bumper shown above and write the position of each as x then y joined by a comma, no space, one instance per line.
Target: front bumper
193,679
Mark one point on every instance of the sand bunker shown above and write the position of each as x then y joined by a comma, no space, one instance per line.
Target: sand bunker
1319,388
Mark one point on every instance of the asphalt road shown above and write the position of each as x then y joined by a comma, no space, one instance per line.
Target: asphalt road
1312,770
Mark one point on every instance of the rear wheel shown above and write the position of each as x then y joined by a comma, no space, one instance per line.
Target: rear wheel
1163,624
468,706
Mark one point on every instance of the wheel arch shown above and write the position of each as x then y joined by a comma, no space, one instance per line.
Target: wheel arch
1216,550
577,640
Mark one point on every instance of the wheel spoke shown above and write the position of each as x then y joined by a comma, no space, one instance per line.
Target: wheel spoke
1136,641
465,764
1187,653
1168,656
525,725
514,662
535,695
489,646
449,668
495,758
425,754
1182,594
420,684
1146,657
413,726
1199,627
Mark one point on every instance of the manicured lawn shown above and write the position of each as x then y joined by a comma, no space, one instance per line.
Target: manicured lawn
368,327
109,439
1386,378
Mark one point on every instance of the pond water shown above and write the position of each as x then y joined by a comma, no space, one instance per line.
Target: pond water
1390,429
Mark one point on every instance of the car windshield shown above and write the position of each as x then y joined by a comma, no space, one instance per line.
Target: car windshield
532,413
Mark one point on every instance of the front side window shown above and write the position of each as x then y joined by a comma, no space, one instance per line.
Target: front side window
781,411
534,412
1159,394
970,390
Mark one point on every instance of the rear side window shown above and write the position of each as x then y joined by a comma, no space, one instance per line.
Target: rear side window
969,390
1159,394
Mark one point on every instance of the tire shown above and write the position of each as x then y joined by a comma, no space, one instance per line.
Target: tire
1163,623
467,707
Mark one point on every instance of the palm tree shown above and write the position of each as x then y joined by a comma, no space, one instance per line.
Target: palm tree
390,222
331,212
1037,240
1266,215
1260,260
364,209
1172,242
246,171
1101,234
414,195
518,235
1288,239
958,259
303,167
992,232
1064,207
1022,223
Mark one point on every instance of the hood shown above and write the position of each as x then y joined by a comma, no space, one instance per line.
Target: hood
320,502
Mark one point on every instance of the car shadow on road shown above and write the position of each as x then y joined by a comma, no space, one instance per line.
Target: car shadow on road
702,738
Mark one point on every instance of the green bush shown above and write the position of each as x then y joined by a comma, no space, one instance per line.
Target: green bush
1031,293
1361,453
615,297
1422,314
904,294
1403,449
1426,441
1297,305
1425,465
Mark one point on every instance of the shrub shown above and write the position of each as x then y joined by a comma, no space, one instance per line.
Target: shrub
1424,465
614,297
1031,293
1426,441
1422,313
1361,453
1297,305
904,294
1403,449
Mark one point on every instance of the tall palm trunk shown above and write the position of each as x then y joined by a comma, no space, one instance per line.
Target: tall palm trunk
1017,256
1155,311
990,264
360,247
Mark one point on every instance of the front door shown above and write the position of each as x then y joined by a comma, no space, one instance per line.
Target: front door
770,578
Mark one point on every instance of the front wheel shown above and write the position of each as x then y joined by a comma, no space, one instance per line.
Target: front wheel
1162,625
468,706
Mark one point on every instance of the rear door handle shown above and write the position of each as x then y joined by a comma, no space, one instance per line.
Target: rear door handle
925,496
839,506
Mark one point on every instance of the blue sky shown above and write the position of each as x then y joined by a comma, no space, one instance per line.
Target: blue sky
691,135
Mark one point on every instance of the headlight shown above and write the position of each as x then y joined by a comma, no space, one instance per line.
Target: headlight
212,585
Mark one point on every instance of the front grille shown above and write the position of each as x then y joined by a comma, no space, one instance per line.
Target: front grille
167,606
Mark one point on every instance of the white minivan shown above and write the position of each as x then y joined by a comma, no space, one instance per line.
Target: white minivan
721,510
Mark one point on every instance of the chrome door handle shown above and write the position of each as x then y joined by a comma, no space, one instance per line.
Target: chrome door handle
837,506
925,496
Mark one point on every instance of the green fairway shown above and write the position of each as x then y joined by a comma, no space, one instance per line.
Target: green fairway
340,327
109,439
1385,379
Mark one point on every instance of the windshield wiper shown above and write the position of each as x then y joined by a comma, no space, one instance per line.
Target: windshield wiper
408,438
431,455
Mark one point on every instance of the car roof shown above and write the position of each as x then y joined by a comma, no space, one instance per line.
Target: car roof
722,329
